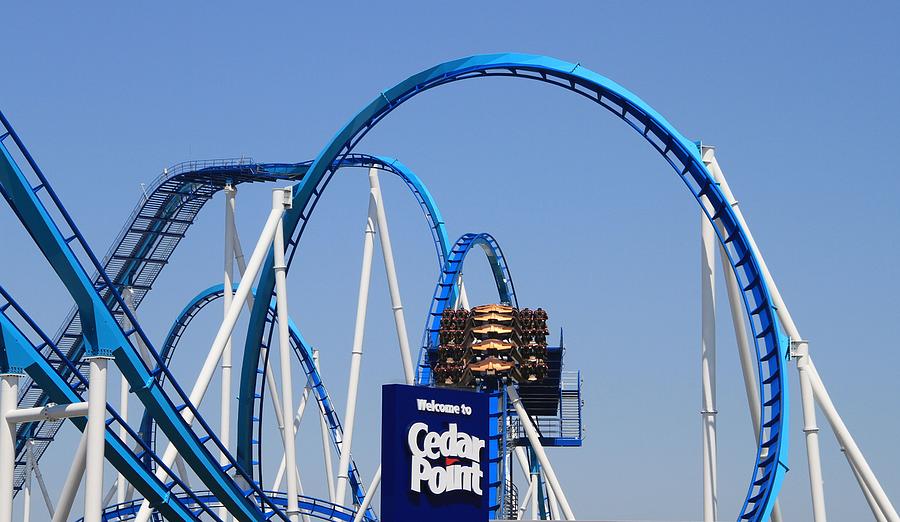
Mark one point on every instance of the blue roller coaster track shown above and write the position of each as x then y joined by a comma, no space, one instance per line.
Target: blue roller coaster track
102,324
679,152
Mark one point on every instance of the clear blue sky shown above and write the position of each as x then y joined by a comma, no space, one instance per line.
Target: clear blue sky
800,99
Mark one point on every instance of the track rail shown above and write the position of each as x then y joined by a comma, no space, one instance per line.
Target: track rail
444,292
65,249
682,155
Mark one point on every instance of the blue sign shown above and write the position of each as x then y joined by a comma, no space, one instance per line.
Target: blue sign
434,454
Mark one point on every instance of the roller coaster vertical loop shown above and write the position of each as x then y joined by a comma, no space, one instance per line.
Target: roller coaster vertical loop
682,154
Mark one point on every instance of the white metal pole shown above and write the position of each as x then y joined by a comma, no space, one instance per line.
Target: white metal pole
40,479
182,471
534,497
367,500
296,427
526,500
817,491
870,500
708,366
554,504
745,354
225,330
326,440
96,439
356,353
852,450
128,295
463,296
227,280
389,268
534,440
121,485
271,385
73,481
9,394
811,431
287,390
29,464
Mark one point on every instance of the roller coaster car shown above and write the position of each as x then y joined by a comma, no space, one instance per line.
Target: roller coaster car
534,370
492,346
493,308
491,366
449,373
453,353
493,318
492,331
452,336
533,350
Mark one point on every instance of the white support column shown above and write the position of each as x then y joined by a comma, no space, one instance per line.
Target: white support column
356,351
745,354
271,385
326,440
852,450
389,268
29,465
817,491
870,500
287,390
708,366
526,500
554,505
227,282
121,484
534,440
9,394
811,432
73,481
367,500
96,439
279,476
40,479
225,330
533,483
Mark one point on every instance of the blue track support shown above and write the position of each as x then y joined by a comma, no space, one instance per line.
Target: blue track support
304,355
684,157
444,292
312,507
150,237
18,350
103,335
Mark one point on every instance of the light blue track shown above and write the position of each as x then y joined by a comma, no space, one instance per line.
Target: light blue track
444,296
684,157
20,354
444,292
15,178
104,336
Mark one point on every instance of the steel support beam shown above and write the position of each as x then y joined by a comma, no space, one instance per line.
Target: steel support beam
708,366
356,352
9,391
534,440
326,440
96,439
218,346
227,278
387,252
370,494
281,197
